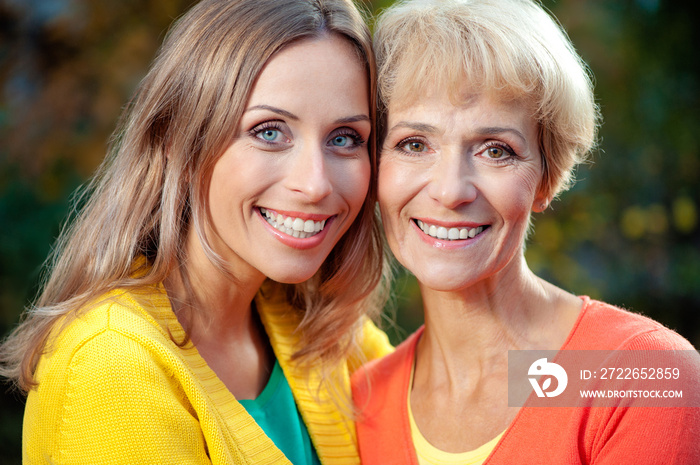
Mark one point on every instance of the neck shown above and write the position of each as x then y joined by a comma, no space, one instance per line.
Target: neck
220,320
469,332
219,300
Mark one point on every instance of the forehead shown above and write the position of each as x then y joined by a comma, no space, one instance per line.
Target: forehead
443,105
328,57
314,49
319,72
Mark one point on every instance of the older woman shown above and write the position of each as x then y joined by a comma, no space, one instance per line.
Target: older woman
486,110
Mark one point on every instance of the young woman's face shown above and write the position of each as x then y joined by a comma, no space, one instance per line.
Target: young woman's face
297,174
456,187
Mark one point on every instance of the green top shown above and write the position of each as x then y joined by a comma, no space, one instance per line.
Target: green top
275,411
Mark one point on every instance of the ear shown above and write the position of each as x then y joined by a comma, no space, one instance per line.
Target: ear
541,203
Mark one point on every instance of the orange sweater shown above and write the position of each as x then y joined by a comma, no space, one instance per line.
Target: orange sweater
546,435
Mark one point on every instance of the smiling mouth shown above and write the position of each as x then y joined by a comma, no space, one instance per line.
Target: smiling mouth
449,234
292,226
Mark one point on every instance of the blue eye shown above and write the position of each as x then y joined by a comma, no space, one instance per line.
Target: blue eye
346,139
340,141
269,134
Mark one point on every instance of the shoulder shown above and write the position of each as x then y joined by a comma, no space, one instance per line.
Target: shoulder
607,327
109,330
374,342
113,353
112,381
387,372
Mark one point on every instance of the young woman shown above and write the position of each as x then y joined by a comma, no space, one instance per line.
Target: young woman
486,109
207,304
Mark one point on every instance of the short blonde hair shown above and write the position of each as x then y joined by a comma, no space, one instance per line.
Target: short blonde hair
511,49
151,191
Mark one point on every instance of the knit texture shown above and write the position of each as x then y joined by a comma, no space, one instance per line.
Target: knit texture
546,435
114,387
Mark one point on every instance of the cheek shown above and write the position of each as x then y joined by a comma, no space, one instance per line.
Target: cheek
352,181
517,194
394,192
387,191
399,183
220,184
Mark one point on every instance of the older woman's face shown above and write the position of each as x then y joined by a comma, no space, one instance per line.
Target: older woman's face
456,187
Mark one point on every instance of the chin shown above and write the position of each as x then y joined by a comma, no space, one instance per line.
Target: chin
292,277
444,279
442,285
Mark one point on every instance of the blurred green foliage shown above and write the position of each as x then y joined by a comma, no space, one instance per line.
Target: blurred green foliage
627,233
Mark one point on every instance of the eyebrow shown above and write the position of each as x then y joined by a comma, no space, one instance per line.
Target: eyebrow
279,111
352,119
495,130
430,129
285,113
420,127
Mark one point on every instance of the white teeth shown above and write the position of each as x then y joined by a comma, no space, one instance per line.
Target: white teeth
298,224
295,227
452,234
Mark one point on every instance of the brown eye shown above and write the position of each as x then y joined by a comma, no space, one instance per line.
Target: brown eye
416,146
413,146
495,152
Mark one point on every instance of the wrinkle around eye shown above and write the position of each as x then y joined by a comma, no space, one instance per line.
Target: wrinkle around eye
508,154
412,146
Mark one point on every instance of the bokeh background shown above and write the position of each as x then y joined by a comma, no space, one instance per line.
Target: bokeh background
627,233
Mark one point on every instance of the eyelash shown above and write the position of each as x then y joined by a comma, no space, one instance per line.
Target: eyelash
357,140
255,132
510,158
506,148
408,140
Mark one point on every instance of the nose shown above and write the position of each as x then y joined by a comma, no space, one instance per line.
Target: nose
309,174
452,180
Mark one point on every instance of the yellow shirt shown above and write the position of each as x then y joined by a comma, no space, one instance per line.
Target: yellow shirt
115,388
428,454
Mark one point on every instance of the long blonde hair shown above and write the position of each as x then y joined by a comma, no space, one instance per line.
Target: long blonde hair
153,185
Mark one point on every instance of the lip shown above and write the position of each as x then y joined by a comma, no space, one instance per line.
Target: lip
295,242
448,244
302,215
449,224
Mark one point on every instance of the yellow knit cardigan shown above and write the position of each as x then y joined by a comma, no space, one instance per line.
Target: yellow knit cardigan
115,388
